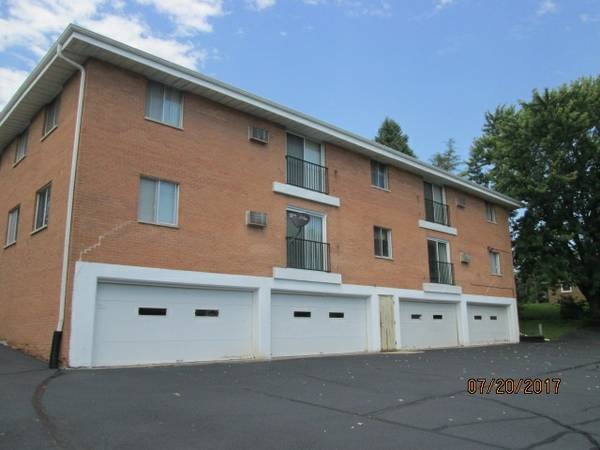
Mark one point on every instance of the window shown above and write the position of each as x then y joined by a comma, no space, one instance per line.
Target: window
152,311
51,118
305,241
207,313
21,149
305,164
336,315
436,209
415,316
382,242
158,201
12,227
493,317
495,262
477,317
164,104
440,268
566,288
42,208
301,313
490,212
438,317
379,175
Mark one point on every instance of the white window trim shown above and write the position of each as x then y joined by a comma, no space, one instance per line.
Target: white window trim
310,212
179,126
387,176
307,194
566,291
448,252
157,199
9,242
495,252
493,209
389,239
56,104
19,141
46,188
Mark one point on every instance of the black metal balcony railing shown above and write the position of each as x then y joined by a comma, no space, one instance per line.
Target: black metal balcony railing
441,272
436,212
307,175
309,255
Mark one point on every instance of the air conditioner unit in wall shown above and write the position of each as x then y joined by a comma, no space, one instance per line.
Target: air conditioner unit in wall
465,258
461,201
256,219
258,134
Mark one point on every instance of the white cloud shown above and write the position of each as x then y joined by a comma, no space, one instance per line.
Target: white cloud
546,7
260,4
10,80
589,18
354,8
443,4
190,15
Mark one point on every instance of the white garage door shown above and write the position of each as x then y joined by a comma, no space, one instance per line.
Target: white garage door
149,324
428,325
488,324
310,325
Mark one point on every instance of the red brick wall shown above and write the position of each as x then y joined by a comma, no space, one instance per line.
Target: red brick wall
30,269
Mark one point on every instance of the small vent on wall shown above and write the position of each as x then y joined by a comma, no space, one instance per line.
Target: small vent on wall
258,134
465,258
461,201
256,219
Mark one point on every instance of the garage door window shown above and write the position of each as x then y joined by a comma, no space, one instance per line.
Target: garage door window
493,318
158,202
438,317
336,315
207,313
152,311
415,316
302,314
477,317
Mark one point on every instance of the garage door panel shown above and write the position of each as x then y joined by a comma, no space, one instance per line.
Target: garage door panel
488,324
123,337
428,324
318,333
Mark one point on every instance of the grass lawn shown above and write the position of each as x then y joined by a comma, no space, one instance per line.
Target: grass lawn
548,314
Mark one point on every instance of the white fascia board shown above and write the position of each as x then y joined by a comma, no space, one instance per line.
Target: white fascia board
438,227
312,276
307,194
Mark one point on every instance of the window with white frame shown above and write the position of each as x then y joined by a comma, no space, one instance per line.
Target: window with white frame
379,175
164,104
382,241
495,262
566,288
13,226
441,269
21,149
51,117
42,208
158,203
490,212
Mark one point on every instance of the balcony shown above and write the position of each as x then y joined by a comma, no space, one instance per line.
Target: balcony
307,175
308,255
441,272
436,212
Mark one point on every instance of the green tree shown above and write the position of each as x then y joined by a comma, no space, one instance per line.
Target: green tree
391,134
546,152
448,160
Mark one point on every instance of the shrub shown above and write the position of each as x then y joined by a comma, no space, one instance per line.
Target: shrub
569,309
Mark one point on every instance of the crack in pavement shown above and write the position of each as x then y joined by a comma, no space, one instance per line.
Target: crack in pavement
370,417
37,401
466,424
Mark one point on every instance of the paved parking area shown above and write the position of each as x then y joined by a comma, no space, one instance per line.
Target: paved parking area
380,401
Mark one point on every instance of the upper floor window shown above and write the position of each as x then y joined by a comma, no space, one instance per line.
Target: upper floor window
440,268
566,288
164,104
305,238
42,208
436,209
158,201
21,149
490,212
495,263
12,227
51,116
304,161
382,240
379,175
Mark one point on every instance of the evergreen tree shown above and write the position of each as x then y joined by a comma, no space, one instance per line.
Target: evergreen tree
391,134
448,160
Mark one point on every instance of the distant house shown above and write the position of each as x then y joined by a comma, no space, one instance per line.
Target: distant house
565,290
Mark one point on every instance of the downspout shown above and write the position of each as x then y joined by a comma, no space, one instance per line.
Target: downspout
57,335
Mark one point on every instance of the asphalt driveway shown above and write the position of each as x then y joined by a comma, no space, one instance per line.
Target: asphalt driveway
380,401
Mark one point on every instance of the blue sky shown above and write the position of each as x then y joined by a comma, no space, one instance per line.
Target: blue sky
436,66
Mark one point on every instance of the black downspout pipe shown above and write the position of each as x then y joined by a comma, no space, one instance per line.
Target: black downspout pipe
55,349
